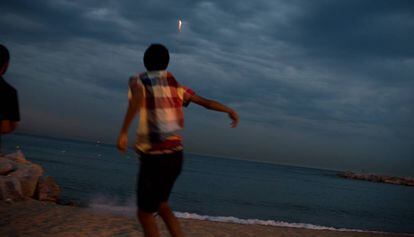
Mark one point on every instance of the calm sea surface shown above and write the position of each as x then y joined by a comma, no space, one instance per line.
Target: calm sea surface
89,172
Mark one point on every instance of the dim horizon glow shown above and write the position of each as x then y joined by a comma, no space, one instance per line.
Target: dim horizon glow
321,84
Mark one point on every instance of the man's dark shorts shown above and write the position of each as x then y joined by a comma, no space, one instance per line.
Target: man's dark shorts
156,179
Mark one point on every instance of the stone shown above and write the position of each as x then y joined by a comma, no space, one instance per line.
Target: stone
28,174
48,190
17,157
10,188
379,178
21,179
6,166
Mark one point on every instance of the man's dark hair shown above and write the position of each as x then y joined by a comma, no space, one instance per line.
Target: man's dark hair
4,55
156,57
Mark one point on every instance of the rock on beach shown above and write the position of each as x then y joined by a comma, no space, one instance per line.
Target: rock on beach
20,179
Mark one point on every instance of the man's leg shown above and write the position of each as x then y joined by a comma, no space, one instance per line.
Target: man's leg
148,223
170,220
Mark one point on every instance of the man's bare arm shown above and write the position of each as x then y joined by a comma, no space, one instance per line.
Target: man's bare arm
217,106
134,104
132,110
129,116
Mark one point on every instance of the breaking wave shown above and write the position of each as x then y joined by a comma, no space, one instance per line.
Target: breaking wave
128,208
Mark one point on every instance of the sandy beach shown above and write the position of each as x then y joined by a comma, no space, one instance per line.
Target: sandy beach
37,219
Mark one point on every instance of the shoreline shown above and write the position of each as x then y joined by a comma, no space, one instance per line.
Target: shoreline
36,218
125,211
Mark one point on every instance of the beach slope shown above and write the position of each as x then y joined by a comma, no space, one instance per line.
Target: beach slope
34,218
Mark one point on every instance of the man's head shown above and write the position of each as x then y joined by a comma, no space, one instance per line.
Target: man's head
156,57
4,59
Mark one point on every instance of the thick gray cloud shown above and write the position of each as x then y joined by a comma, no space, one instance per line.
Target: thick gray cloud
317,83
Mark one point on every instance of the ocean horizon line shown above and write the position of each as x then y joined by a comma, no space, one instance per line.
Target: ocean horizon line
78,140
104,144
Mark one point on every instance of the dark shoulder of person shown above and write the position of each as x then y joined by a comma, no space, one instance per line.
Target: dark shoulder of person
6,87
9,105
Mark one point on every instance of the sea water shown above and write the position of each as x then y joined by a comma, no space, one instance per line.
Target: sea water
223,189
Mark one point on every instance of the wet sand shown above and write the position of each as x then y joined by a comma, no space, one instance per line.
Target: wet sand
36,219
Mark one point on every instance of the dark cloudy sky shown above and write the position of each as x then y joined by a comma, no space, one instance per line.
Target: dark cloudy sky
317,83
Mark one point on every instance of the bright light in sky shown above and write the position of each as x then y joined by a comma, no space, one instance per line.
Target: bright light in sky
180,24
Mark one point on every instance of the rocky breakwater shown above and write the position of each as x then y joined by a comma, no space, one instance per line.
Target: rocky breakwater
21,179
378,178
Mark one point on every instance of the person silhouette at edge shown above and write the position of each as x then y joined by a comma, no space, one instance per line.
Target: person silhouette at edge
9,105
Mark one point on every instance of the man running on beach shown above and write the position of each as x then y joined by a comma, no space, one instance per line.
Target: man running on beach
160,99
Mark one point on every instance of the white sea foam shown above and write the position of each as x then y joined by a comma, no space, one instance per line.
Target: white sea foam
112,205
128,208
232,219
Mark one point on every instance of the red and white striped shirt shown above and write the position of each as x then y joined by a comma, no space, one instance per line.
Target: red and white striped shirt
161,111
